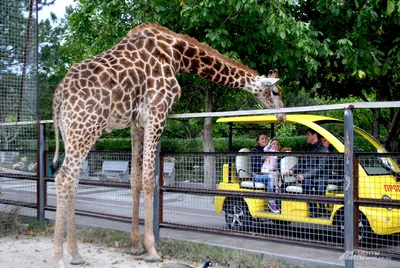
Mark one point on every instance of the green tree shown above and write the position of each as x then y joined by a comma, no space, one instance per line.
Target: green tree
331,49
53,61
364,56
13,30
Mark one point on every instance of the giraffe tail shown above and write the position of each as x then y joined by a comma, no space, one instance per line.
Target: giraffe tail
55,165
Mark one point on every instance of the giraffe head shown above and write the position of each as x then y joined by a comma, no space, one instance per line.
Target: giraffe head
268,93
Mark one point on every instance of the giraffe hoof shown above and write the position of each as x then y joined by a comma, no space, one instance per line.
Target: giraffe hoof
60,264
152,258
137,250
78,261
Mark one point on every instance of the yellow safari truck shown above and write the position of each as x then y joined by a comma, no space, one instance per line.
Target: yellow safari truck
378,178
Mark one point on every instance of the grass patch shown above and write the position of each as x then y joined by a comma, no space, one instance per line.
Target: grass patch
199,253
182,250
35,228
107,237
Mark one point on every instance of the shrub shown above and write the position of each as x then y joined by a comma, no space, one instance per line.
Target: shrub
10,222
173,145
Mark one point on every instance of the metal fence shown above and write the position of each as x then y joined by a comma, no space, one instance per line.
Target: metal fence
18,104
231,202
239,205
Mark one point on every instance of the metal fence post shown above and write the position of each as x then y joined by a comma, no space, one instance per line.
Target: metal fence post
156,208
348,188
41,173
40,133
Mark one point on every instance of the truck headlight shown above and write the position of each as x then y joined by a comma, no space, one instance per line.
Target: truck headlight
385,197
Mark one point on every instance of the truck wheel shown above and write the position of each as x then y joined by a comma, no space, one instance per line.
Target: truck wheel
237,215
364,230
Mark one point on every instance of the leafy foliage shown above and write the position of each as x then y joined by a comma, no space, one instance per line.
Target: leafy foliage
192,145
324,50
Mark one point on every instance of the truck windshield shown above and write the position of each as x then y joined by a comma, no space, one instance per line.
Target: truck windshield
372,164
361,144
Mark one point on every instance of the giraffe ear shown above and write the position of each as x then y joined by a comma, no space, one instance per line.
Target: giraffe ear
267,82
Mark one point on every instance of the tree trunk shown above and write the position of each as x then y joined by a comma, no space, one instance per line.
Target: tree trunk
391,139
376,125
208,143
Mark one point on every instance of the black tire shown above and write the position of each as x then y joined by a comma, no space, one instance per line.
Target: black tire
364,229
237,216
283,224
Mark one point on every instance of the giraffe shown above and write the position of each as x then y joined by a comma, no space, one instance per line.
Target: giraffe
134,84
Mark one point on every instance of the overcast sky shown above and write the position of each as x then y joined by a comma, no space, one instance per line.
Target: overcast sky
58,8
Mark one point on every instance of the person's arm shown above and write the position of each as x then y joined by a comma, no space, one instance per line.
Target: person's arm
317,165
296,169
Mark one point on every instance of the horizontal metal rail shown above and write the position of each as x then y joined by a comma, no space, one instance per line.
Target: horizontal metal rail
18,203
314,108
245,194
97,215
18,176
98,183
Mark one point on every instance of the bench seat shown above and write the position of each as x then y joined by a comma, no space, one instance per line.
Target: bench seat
253,185
114,170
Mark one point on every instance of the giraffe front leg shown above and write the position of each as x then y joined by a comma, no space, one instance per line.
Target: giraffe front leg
153,127
149,155
136,185
149,241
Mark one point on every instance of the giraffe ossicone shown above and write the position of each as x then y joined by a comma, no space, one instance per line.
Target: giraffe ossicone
134,84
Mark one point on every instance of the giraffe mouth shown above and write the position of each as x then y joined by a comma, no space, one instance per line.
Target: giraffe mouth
281,117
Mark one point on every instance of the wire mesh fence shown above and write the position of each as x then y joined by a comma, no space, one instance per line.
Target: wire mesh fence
230,198
306,206
105,188
228,192
18,104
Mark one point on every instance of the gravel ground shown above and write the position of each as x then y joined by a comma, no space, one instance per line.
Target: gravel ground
36,252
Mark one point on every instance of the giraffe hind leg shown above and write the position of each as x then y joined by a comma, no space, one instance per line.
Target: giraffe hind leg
72,242
59,224
67,182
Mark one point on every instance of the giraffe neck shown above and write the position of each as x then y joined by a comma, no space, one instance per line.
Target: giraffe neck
217,70
188,55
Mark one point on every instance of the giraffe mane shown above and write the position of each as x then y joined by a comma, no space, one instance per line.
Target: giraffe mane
195,42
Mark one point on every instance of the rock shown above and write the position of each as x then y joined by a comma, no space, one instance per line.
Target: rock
19,166
32,167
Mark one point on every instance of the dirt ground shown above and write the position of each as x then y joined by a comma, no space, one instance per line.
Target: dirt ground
35,252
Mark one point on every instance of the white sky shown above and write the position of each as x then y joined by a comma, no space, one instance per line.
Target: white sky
58,8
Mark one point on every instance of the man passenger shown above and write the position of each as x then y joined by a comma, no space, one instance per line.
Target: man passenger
310,169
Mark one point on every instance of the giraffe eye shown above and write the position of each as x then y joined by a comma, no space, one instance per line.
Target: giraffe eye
275,93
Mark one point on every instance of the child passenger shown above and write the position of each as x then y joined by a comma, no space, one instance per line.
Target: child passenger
259,176
271,163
